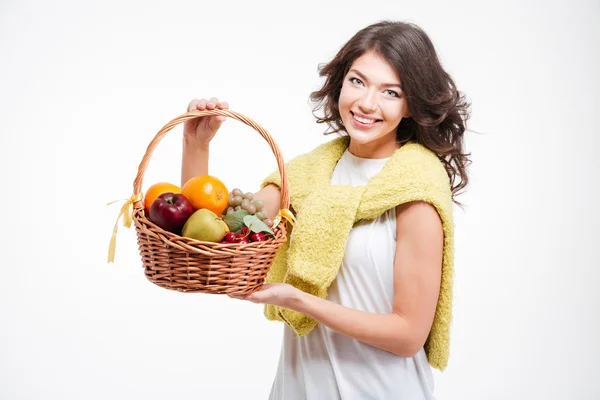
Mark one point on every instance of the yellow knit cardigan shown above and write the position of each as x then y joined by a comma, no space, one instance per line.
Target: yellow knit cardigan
325,214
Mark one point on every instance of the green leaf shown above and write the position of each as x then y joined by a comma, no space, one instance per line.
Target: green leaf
256,225
235,220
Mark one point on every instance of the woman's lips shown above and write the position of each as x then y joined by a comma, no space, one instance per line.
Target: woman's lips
362,122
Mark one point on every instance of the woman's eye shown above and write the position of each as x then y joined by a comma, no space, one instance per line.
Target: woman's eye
357,81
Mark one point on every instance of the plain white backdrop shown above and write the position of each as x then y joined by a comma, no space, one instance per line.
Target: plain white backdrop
85,86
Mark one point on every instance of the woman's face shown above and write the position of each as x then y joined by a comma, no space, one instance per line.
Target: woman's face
372,105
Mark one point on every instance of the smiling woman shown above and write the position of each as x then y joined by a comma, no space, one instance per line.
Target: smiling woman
398,56
370,109
364,282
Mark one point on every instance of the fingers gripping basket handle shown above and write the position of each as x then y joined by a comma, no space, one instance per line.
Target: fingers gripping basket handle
137,184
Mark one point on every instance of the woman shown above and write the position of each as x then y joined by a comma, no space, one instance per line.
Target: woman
374,324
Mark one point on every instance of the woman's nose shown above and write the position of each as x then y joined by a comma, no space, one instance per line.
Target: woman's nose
367,102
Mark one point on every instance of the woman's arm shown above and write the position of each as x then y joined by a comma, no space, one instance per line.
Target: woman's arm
194,160
197,134
417,277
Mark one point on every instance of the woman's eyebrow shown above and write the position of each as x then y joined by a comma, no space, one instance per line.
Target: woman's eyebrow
364,78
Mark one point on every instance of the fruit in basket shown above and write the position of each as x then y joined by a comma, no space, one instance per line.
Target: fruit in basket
206,191
254,224
244,200
239,200
235,220
243,240
170,211
244,237
206,226
156,190
257,237
230,237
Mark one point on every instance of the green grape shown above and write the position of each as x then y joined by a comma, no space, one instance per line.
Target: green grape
251,208
237,200
237,192
230,210
259,204
249,196
245,204
269,222
262,214
237,208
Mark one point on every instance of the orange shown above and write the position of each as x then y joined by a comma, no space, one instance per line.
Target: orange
156,190
206,191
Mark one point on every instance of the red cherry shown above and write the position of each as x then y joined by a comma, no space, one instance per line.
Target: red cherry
243,240
258,237
230,237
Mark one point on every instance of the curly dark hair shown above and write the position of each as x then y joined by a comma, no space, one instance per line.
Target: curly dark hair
438,111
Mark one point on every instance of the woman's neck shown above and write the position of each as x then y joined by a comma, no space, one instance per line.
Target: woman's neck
374,149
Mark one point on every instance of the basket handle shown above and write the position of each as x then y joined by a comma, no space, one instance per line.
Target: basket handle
137,184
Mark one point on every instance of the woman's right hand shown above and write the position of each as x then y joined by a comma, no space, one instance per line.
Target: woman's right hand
201,130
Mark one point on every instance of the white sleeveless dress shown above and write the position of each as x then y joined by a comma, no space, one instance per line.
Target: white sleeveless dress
325,365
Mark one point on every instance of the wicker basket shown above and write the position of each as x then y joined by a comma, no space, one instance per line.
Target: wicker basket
188,265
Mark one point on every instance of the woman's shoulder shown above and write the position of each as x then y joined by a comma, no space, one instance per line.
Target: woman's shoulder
423,163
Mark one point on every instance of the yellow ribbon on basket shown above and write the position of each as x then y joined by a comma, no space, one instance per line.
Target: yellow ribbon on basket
284,213
126,212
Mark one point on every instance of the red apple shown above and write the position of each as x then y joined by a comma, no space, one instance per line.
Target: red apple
170,211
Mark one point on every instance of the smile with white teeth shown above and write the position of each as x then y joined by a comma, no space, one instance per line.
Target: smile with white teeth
363,120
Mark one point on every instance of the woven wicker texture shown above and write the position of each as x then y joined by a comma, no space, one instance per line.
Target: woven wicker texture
188,265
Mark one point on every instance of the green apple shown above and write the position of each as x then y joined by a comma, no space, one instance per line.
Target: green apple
206,226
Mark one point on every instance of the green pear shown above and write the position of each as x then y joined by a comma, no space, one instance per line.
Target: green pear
206,226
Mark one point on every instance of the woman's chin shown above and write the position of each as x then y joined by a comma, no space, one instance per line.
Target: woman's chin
361,139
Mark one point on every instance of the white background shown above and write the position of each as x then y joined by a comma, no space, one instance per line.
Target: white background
84,88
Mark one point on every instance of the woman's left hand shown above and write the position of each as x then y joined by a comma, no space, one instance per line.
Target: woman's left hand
278,294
